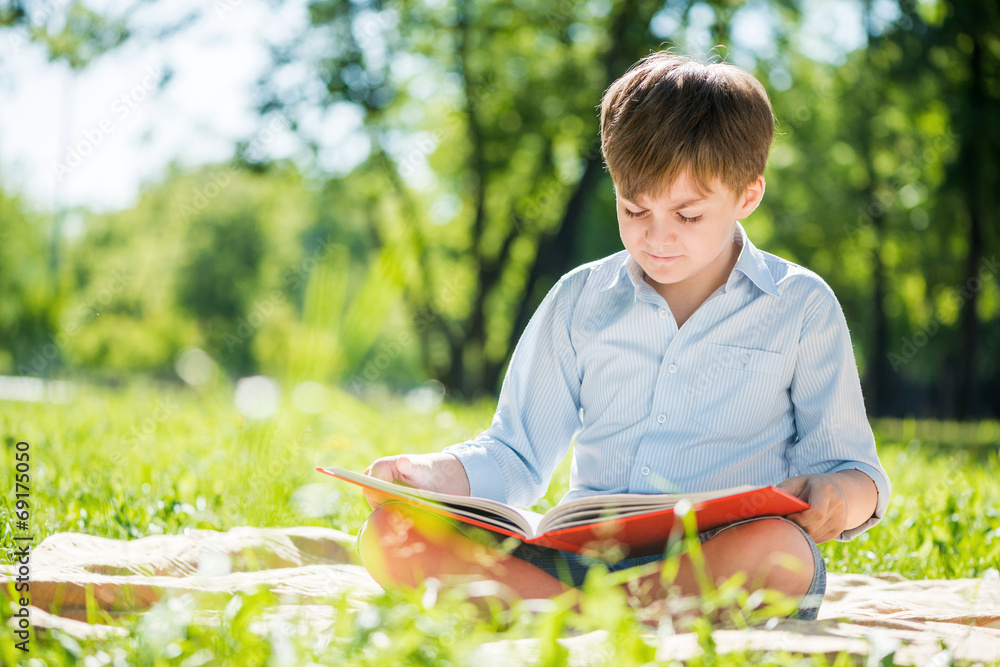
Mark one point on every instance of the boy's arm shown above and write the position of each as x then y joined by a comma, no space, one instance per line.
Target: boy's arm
834,463
538,412
537,415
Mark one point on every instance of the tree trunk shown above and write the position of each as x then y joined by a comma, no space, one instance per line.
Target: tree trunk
971,142
879,374
556,251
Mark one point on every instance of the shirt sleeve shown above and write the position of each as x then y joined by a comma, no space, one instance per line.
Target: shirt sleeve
833,430
538,412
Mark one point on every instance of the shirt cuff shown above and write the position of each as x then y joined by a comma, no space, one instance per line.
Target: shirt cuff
881,486
485,477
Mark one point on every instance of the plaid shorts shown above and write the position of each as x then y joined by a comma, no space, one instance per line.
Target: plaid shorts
571,568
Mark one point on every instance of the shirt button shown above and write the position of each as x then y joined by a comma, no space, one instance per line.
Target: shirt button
661,418
745,358
672,368
663,313
644,470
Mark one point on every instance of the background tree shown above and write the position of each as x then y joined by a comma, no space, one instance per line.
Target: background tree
472,180
481,117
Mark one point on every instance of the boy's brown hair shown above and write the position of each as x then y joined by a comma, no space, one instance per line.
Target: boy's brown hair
670,113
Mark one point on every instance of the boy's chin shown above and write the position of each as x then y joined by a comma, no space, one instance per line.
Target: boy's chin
669,270
656,276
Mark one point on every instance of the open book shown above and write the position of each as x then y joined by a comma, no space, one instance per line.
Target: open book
639,524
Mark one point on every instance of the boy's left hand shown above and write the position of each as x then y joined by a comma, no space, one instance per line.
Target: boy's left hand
837,501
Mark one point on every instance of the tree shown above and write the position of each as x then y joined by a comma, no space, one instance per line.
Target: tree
950,52
481,118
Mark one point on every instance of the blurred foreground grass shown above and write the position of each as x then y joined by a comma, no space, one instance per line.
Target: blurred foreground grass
154,460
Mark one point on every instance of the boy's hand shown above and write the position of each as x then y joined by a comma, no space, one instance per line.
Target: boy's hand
443,473
837,501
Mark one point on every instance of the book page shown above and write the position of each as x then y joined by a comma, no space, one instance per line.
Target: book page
488,511
611,506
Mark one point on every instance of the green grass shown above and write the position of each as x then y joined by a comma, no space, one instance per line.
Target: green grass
152,460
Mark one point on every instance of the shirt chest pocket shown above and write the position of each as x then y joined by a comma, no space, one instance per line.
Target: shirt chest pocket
736,391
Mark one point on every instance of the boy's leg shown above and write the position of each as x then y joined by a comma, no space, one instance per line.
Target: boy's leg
772,552
401,546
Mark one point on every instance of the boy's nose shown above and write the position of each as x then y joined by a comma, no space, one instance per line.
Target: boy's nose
660,235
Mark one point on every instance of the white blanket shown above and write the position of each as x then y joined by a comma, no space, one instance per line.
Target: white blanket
860,614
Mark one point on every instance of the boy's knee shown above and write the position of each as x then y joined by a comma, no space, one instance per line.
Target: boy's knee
790,561
385,539
781,553
398,529
388,523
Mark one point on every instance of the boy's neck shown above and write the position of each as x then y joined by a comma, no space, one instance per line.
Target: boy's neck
686,296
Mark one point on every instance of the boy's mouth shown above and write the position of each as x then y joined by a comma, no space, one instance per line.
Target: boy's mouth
662,258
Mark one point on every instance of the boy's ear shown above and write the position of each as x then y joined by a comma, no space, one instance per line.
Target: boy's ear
751,197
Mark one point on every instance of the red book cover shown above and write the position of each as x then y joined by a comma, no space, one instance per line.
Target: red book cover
647,533
641,524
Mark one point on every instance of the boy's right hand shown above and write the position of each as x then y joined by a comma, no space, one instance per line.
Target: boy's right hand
442,472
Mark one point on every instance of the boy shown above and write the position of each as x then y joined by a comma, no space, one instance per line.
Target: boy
690,361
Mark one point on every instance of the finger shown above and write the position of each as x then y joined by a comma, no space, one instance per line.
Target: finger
825,532
795,518
383,469
809,520
404,465
792,485
825,525
808,524
413,471
833,524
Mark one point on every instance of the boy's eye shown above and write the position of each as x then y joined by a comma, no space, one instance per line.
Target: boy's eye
638,214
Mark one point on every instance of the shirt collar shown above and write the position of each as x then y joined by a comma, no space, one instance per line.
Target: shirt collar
750,263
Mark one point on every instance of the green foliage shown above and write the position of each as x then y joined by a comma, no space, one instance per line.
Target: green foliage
482,123
943,521
483,183
151,460
250,266
27,288
70,31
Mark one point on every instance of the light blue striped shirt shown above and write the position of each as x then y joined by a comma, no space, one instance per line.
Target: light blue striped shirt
758,385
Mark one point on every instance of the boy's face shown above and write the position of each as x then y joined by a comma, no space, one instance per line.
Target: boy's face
683,239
